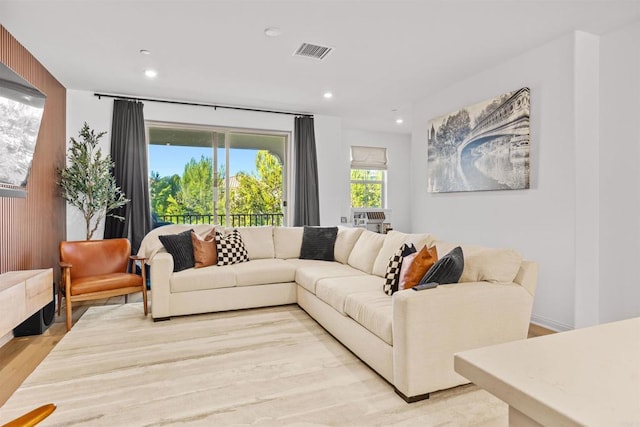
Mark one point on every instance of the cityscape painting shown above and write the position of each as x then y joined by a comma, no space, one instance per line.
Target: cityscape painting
484,146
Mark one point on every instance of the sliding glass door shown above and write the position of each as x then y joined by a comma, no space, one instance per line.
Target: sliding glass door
232,177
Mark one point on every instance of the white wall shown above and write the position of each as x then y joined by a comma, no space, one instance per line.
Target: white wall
620,174
398,173
587,227
539,222
581,218
84,107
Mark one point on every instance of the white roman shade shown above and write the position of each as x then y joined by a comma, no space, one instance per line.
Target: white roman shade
368,158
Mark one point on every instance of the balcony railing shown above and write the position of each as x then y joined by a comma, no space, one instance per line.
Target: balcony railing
235,220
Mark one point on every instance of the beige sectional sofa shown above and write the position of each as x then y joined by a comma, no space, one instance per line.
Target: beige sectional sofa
408,338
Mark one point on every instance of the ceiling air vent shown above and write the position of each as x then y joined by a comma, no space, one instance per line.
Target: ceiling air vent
314,51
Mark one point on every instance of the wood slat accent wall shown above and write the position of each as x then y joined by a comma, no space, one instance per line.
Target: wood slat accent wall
31,228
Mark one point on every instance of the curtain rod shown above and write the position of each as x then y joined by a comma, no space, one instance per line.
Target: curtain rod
198,104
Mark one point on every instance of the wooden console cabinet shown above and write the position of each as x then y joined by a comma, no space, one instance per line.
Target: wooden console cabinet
22,293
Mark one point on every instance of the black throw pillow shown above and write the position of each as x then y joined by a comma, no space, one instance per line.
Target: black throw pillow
180,247
318,243
447,269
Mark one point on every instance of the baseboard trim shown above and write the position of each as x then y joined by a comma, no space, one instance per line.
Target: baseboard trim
411,399
550,324
6,338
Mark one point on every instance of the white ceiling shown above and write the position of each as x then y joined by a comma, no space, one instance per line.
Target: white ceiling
387,54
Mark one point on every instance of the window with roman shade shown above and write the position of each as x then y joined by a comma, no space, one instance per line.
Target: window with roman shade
368,158
368,177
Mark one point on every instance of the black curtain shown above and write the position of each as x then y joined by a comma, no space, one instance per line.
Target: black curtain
307,205
129,153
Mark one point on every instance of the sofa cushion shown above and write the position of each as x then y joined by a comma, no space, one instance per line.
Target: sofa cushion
366,250
231,249
425,259
287,242
393,240
372,310
180,247
308,272
205,252
404,269
318,243
193,279
334,290
151,243
345,241
486,264
258,241
421,239
392,275
263,272
447,269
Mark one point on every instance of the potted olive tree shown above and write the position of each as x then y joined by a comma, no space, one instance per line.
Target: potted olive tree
87,182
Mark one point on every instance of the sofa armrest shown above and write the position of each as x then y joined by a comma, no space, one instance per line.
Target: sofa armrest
528,276
161,271
429,326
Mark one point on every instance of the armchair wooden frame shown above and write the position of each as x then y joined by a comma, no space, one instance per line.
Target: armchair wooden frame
66,288
32,418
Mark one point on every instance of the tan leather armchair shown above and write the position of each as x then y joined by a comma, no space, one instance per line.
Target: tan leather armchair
96,269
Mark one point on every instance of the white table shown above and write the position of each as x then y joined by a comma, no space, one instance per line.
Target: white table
586,377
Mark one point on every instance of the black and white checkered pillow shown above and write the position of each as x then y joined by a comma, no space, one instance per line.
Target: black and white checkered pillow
230,248
392,275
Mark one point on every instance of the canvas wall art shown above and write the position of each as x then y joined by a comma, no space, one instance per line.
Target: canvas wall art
481,147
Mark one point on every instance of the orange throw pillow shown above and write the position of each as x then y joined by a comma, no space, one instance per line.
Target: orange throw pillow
422,262
204,250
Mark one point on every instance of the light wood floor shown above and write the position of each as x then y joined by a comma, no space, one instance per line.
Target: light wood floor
20,356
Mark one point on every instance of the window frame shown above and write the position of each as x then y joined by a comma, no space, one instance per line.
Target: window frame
287,185
383,187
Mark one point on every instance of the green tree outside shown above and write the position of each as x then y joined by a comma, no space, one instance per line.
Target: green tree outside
366,188
259,192
192,193
163,189
196,185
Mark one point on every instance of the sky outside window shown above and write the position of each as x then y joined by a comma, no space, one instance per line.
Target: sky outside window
168,160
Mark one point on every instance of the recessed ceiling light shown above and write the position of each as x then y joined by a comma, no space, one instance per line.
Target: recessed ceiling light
150,73
272,32
144,52
399,121
328,95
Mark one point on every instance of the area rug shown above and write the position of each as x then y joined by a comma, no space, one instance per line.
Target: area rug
263,367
